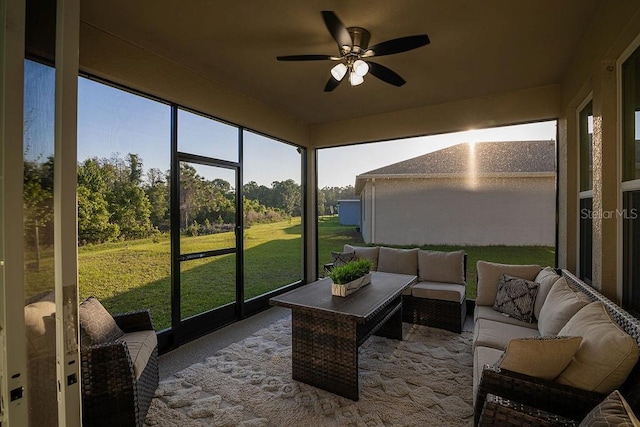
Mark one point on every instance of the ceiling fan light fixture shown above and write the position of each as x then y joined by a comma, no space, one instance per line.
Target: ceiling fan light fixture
355,79
339,71
361,68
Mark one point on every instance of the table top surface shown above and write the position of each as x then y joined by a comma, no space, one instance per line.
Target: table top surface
359,306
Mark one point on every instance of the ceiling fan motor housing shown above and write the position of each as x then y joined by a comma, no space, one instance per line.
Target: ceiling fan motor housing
360,38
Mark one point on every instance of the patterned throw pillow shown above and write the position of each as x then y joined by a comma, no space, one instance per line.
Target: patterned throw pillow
612,411
96,324
516,297
341,258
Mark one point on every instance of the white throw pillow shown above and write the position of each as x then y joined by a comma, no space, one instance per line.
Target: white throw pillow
606,355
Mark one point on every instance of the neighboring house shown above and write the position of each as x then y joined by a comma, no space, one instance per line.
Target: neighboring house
488,193
349,211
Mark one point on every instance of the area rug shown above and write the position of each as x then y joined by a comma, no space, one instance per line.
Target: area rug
424,380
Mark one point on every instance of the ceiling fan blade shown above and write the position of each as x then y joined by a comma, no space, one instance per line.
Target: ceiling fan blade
401,44
306,58
385,74
337,29
332,83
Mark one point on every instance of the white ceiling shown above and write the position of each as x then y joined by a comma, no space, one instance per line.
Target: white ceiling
478,48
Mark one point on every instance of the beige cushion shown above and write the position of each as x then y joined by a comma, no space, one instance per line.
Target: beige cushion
482,356
542,357
437,266
96,324
607,353
485,312
141,345
560,305
612,411
370,253
546,278
40,321
401,261
440,291
489,273
488,333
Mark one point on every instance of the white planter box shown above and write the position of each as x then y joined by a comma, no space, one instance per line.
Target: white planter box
351,287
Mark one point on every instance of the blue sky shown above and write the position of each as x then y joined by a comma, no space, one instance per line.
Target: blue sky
114,122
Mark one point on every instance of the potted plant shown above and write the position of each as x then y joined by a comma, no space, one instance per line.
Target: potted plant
350,277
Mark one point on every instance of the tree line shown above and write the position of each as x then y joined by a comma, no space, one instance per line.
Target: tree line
118,200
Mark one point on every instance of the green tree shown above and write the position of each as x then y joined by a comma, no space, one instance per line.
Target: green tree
157,192
128,204
287,196
93,218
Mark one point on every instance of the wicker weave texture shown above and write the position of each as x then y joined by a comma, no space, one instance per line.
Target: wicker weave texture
500,412
325,346
447,315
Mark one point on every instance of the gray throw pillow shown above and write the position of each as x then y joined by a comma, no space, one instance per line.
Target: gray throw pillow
96,324
516,297
341,258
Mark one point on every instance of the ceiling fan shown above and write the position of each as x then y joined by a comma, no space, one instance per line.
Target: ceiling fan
353,44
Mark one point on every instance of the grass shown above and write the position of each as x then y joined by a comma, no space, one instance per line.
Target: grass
126,276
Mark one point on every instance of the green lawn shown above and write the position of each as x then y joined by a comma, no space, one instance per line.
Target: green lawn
136,274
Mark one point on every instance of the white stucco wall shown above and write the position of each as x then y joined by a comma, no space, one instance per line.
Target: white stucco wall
488,211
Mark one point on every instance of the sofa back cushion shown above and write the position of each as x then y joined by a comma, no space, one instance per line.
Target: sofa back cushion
444,267
401,261
370,253
560,306
489,273
606,355
546,278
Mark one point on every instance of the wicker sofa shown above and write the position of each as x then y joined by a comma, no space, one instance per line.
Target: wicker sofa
522,379
438,299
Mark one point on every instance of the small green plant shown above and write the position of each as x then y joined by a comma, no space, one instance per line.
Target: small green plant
350,271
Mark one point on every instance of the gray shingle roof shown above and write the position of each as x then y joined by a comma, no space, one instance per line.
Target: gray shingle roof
490,157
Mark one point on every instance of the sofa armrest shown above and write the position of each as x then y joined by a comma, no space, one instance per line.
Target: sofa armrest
560,399
134,321
107,368
503,412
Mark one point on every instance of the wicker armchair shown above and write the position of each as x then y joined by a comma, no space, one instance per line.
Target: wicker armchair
111,393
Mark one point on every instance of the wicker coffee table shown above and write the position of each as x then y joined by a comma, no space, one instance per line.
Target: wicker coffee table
327,330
